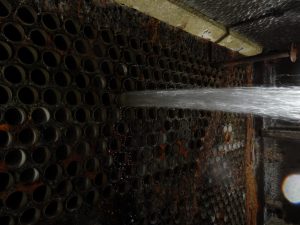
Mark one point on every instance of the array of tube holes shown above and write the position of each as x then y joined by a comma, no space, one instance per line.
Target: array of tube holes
67,148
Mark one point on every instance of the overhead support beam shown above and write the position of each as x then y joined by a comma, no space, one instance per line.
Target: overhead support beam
195,24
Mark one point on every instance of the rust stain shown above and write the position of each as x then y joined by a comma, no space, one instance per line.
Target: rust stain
182,150
251,185
162,148
28,188
5,127
3,167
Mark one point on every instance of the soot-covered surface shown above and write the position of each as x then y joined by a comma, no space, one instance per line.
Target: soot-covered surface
273,23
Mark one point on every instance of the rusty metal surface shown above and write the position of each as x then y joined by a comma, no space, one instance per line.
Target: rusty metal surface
70,155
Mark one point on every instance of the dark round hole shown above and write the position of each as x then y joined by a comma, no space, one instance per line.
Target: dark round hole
5,8
89,32
106,99
81,115
121,40
106,36
82,81
73,98
14,74
106,67
134,43
27,95
91,131
41,193
52,209
73,168
15,158
50,21
40,115
99,49
13,32
99,82
51,97
26,15
71,26
91,98
6,51
50,134
30,216
6,181
71,62
83,148
14,116
72,133
129,85
39,76
6,220
82,183
27,136
64,188
114,53
52,172
29,175
62,152
92,197
61,42
5,95
61,115
73,203
51,59
40,155
89,65
5,138
100,115
27,55
38,37
92,164
62,79
16,200
81,46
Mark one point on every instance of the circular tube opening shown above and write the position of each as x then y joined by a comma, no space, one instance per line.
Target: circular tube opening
27,95
73,203
106,67
16,200
53,209
106,36
53,172
129,85
27,55
91,131
64,188
99,49
71,62
29,175
14,74
73,97
91,98
99,82
62,42
83,149
100,179
135,43
5,94
38,37
27,136
100,115
14,116
5,138
50,134
62,115
26,15
92,165
39,76
62,78
50,59
40,115
81,46
129,57
6,181
5,219
82,115
114,53
82,183
15,158
73,169
107,99
41,193
6,51
51,97
121,40
13,32
50,21
62,152
40,155
89,65
72,133
5,8
92,197
30,216
72,26
82,81
89,32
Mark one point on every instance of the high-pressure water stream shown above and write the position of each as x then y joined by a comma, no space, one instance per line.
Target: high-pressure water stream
283,102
